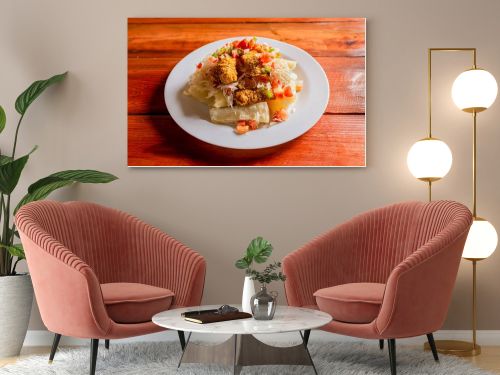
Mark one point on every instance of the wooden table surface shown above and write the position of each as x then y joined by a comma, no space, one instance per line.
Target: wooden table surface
155,45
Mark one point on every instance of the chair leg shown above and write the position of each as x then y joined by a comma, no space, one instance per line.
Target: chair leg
55,344
432,344
392,355
106,344
182,339
94,345
381,344
307,333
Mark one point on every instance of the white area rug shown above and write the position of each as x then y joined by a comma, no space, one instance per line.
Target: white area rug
162,358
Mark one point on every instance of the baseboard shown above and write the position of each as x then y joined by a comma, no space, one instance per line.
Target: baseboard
484,337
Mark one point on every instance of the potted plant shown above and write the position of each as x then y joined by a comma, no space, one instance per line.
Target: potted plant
258,251
16,291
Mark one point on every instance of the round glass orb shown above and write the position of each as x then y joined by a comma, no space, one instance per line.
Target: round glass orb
474,90
481,241
429,159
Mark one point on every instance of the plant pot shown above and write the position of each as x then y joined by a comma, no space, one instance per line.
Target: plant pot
16,298
248,292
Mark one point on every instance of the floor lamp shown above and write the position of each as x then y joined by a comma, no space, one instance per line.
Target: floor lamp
473,91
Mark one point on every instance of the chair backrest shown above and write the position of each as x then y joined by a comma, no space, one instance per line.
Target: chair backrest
94,233
386,236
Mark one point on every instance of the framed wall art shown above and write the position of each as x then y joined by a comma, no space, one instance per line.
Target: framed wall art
246,92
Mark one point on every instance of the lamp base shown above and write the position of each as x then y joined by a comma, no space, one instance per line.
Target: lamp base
456,348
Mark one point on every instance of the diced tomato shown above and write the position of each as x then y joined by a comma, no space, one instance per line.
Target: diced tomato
235,43
278,91
281,115
241,122
243,44
253,124
265,58
288,91
199,66
242,129
275,83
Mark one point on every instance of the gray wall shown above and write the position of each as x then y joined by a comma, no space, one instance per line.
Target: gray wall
82,124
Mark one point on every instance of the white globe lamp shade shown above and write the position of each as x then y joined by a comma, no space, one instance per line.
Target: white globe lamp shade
474,90
481,241
429,159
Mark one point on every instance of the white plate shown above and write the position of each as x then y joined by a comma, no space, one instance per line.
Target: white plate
193,116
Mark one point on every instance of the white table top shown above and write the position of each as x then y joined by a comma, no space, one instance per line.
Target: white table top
286,319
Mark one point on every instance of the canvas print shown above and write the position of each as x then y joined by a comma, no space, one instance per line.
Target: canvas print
246,92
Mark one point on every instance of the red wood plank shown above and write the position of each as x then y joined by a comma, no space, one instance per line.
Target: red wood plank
336,140
345,38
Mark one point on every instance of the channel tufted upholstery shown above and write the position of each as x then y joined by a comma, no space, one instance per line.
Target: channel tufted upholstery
414,248
72,248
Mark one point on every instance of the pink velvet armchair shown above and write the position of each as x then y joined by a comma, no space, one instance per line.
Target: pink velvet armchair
99,273
385,274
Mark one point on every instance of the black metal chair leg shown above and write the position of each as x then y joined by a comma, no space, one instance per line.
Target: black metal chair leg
307,333
94,346
392,355
55,344
106,344
381,344
432,344
182,339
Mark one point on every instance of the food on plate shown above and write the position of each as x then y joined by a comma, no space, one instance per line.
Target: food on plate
246,84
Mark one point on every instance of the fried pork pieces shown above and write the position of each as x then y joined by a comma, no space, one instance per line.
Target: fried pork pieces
225,72
248,69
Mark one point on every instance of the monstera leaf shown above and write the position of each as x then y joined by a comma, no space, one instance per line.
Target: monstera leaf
258,250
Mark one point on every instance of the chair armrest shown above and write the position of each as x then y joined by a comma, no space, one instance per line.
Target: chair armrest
419,289
66,289
321,263
167,263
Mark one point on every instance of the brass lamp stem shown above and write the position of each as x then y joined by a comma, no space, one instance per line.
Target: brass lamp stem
429,93
474,305
430,190
474,167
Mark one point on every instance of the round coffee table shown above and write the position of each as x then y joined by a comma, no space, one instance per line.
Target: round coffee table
242,348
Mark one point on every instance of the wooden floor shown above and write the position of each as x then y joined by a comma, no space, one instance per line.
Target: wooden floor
488,360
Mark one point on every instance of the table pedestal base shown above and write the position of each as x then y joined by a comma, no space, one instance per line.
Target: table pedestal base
246,350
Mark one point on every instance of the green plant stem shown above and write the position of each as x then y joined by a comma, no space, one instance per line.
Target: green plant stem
15,137
13,271
3,251
5,234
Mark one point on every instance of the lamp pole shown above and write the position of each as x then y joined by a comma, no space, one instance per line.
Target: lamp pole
454,347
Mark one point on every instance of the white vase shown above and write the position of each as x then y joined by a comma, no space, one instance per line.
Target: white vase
16,298
248,292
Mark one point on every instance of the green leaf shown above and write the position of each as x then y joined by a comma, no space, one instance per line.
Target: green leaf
15,250
43,187
42,193
4,159
10,172
242,263
85,176
259,249
3,119
31,93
